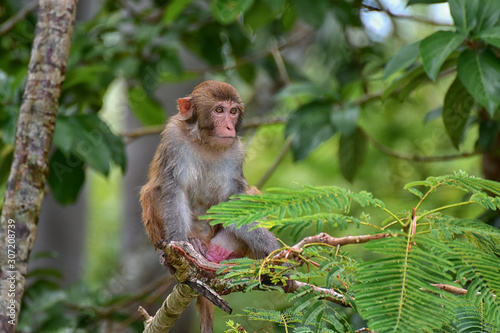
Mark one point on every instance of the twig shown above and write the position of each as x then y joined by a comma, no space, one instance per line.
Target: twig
451,289
280,64
406,17
156,129
454,290
276,162
324,238
142,131
331,295
20,15
415,158
297,37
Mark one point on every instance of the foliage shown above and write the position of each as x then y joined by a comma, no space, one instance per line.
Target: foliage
399,289
48,307
325,98
328,74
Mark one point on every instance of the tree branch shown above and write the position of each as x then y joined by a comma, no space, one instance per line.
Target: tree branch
34,132
156,129
20,15
415,158
276,162
324,238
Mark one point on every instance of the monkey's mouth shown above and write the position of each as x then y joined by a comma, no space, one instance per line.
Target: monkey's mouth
224,140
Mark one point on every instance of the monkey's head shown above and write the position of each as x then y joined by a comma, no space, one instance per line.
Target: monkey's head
217,109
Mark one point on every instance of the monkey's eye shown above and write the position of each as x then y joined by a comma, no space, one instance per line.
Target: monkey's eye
219,109
233,111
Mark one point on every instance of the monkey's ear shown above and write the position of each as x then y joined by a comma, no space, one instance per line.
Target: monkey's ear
185,107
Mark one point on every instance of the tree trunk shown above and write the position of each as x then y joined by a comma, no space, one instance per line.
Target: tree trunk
35,129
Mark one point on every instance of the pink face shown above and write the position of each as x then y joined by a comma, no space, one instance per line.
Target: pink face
225,116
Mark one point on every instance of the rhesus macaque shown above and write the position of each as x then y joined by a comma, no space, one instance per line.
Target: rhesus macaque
198,164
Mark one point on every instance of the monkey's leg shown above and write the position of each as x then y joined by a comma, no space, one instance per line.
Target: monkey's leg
206,311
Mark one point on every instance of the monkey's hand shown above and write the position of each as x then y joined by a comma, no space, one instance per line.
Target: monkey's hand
178,249
190,267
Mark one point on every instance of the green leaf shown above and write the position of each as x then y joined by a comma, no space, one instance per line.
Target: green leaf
261,14
313,15
206,42
491,36
311,126
71,136
488,14
464,13
304,91
174,9
402,59
247,72
345,118
66,177
352,152
458,104
145,107
436,48
89,138
480,74
407,82
84,74
227,11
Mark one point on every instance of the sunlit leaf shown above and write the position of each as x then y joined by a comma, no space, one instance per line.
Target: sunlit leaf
464,13
402,59
480,74
436,48
491,36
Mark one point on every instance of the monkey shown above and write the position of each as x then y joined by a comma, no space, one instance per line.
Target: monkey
198,164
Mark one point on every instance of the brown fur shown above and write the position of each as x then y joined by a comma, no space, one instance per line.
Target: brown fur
198,164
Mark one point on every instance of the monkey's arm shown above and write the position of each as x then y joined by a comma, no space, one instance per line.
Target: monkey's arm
260,241
165,213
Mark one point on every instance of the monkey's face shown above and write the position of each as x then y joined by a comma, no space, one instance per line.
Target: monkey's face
218,125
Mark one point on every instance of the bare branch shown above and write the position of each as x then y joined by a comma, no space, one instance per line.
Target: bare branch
330,294
406,17
153,130
415,158
276,162
19,16
324,238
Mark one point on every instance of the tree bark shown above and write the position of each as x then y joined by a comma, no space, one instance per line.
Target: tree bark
35,129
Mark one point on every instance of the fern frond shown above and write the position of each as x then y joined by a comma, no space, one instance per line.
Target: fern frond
484,236
283,318
478,266
295,226
280,204
470,318
394,293
484,192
